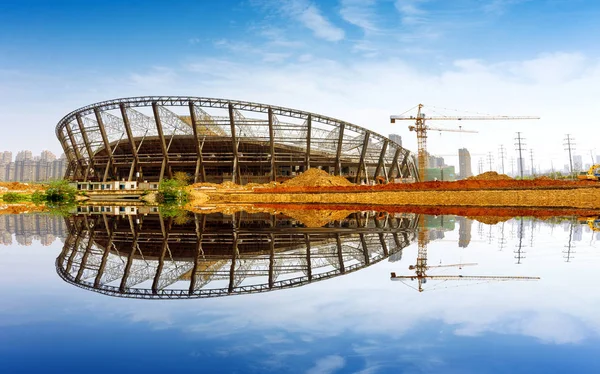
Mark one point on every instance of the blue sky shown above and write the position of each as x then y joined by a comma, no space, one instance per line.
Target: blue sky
356,60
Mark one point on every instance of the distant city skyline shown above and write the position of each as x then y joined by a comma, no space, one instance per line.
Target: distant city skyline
29,168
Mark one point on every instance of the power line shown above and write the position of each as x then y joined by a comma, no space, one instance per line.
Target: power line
519,144
570,144
502,156
490,158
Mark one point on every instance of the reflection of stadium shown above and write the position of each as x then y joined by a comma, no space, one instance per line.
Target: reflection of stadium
148,138
217,255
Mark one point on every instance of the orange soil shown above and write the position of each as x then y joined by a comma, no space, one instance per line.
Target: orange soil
22,187
21,208
442,210
467,184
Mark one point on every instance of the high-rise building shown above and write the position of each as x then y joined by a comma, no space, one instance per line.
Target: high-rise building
577,163
396,138
24,156
598,159
464,161
5,157
27,168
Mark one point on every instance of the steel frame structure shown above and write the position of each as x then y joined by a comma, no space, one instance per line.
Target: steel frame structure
116,140
220,255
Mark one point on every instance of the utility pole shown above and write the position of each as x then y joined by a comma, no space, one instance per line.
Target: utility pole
480,165
532,167
502,156
490,159
512,166
519,252
520,145
569,247
570,147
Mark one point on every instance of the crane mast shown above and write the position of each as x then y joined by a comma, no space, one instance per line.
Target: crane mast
420,127
421,266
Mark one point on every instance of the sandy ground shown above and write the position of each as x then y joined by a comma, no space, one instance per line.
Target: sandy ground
488,189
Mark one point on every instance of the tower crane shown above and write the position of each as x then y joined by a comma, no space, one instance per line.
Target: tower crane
420,127
421,266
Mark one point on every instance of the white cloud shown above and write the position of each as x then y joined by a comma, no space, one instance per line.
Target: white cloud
360,13
310,16
327,365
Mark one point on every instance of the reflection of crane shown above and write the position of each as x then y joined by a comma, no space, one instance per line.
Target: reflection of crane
592,222
421,266
421,129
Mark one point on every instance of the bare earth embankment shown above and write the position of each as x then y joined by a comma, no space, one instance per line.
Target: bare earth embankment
486,190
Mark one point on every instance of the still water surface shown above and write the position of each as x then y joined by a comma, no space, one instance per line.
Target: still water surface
265,293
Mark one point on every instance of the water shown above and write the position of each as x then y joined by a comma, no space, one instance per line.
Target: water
160,302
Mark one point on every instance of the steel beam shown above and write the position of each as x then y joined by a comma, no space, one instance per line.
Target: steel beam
308,259
339,253
163,144
86,141
106,143
127,125
395,163
381,164
361,163
271,260
308,135
338,166
363,243
76,150
199,251
272,145
383,244
233,260
235,166
105,254
200,172
161,264
86,254
404,162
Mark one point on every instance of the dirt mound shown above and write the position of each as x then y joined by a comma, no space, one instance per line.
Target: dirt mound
490,220
317,218
18,186
490,176
317,178
543,178
21,208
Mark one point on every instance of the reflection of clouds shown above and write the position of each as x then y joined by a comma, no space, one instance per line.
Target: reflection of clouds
365,302
327,365
555,328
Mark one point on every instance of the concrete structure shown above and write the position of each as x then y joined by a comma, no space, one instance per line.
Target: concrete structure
146,139
464,161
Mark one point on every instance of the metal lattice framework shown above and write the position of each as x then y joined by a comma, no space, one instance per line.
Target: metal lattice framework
215,255
148,138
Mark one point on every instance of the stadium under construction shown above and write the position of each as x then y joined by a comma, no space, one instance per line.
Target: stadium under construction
149,256
146,139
